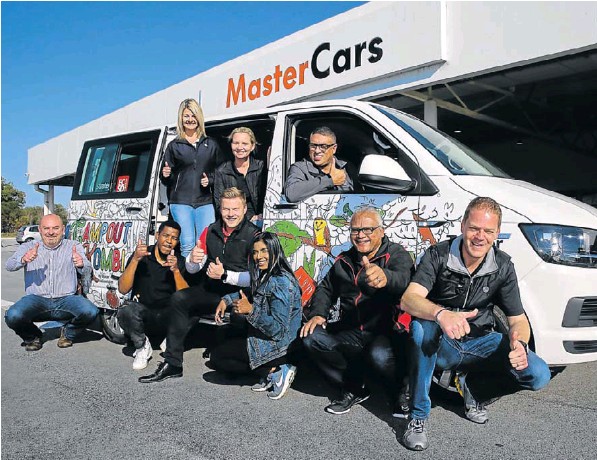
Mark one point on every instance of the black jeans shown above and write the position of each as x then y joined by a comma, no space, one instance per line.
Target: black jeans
136,320
186,306
342,357
232,357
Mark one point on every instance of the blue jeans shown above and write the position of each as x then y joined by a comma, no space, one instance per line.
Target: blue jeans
485,358
192,221
75,309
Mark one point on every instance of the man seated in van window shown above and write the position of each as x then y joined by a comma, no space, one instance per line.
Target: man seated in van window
222,259
451,298
152,275
368,279
51,267
322,171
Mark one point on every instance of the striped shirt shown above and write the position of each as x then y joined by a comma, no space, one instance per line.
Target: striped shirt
52,274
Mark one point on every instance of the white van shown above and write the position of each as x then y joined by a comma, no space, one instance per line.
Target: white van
420,180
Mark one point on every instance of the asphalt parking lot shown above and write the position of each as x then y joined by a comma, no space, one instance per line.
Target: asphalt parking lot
85,403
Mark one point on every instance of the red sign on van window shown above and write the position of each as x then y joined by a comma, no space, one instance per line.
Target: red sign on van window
122,183
307,284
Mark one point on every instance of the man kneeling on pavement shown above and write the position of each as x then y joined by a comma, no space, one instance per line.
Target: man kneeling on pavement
152,275
451,299
51,269
369,278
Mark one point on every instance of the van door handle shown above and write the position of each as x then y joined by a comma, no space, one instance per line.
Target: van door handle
133,209
431,223
286,206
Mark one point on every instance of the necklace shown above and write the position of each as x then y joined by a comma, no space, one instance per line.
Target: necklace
158,258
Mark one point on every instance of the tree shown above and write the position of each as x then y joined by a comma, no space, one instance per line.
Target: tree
31,215
62,212
13,201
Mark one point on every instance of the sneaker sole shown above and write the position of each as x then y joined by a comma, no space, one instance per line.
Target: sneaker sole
478,422
417,448
403,415
286,385
335,412
261,390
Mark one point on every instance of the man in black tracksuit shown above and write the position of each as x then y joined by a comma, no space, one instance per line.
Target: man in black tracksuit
368,279
223,269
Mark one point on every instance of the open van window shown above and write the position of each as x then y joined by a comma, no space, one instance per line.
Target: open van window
356,139
456,157
116,168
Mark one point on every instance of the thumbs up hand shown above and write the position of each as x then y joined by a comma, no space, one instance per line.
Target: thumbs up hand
30,255
215,270
197,253
242,305
518,355
166,170
204,180
338,175
374,274
140,251
172,262
77,259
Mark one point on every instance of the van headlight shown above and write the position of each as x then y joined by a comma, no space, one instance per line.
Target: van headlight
561,244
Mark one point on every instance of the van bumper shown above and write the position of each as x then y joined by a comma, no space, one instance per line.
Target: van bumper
561,303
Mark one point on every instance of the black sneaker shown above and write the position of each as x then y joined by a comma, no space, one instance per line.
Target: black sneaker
346,401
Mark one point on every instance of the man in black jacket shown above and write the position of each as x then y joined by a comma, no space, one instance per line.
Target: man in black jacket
368,279
223,268
451,297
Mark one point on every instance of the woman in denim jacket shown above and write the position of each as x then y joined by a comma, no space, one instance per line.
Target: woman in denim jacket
273,318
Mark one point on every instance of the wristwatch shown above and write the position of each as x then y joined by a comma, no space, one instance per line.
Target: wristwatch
224,276
525,346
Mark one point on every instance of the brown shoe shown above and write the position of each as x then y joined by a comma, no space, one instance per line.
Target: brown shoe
63,341
34,345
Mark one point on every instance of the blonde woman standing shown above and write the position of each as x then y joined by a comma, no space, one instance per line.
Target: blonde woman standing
187,172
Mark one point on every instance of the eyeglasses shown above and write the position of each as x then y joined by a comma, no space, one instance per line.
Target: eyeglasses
367,231
323,147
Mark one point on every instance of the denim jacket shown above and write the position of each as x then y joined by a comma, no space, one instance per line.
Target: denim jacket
275,319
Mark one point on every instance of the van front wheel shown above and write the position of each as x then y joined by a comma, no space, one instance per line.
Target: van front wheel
112,330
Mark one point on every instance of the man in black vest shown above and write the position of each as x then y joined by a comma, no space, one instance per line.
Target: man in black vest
223,269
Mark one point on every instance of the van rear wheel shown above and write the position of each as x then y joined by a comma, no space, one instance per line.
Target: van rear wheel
112,330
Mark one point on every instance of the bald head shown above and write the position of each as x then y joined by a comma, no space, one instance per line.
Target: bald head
52,230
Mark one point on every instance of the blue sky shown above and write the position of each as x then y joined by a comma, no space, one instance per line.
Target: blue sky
66,63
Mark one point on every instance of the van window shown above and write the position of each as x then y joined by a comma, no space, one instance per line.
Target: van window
116,167
355,139
456,157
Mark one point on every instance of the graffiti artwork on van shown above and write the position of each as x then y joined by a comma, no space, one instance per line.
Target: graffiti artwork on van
109,235
326,231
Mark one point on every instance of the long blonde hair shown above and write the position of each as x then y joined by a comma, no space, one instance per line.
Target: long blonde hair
195,109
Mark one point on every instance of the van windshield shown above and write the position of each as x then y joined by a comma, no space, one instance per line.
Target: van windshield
458,158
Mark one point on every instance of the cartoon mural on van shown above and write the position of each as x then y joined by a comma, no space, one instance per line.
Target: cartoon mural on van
109,236
312,241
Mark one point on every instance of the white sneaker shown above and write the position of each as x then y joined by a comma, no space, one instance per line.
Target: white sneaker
163,345
142,355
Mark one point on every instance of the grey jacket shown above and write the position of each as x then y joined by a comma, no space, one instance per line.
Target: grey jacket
305,180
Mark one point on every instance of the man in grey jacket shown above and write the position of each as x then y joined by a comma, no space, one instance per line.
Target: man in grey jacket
322,171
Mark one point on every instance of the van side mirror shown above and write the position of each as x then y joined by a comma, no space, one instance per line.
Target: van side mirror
384,173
